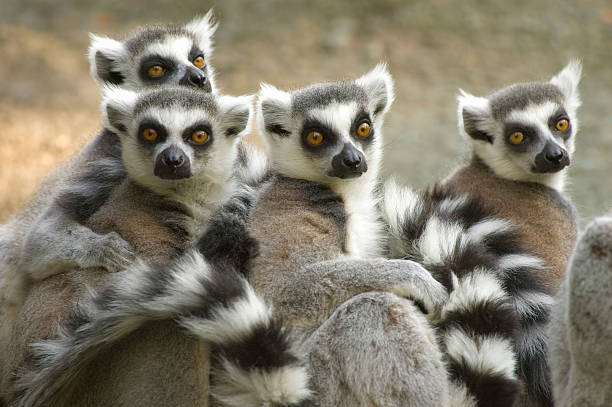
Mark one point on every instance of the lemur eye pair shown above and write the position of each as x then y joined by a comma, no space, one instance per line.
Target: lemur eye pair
315,138
198,136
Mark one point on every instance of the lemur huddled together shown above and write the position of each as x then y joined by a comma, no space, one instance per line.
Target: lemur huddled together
171,263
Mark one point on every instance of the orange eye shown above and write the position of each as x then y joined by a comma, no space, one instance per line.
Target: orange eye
156,71
364,130
199,136
314,138
517,137
149,134
562,125
199,61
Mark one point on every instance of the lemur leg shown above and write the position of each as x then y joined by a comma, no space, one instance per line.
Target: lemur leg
377,349
310,294
58,242
581,332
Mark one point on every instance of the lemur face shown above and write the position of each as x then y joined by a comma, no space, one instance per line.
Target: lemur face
157,55
525,131
326,131
175,135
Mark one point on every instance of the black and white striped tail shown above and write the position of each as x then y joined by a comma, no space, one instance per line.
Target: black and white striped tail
492,329
254,362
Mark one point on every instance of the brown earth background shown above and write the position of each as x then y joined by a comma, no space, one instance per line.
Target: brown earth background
49,104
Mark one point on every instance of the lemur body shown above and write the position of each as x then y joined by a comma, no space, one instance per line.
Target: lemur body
179,148
580,330
522,138
321,244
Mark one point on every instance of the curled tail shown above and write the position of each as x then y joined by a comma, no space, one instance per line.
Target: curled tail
492,328
253,359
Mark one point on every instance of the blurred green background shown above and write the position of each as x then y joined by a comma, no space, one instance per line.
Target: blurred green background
49,104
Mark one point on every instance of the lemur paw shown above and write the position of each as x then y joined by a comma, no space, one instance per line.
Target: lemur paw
115,253
422,288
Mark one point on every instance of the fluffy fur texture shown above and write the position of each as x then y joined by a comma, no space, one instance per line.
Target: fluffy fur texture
320,245
580,330
491,329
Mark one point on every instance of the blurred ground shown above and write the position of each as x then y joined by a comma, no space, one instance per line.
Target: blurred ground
49,104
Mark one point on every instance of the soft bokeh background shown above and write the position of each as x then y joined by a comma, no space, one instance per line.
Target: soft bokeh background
49,104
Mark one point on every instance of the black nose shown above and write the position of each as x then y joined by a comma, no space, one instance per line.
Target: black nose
172,163
555,155
349,163
195,78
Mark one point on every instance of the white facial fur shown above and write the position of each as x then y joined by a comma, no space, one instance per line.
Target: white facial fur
173,47
506,162
210,167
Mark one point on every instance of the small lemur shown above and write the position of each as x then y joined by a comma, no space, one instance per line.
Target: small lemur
321,244
522,139
492,328
581,329
181,145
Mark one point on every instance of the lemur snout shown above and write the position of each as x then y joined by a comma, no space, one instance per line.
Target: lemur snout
196,78
172,163
552,158
349,163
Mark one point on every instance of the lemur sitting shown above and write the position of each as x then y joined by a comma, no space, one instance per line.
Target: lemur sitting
522,139
321,244
179,148
48,235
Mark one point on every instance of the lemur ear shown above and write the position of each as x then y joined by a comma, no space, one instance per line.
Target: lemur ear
237,113
203,28
105,59
378,84
117,107
474,117
273,109
567,81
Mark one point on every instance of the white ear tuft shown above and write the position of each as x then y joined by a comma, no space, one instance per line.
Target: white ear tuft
203,28
567,81
273,109
117,107
105,58
473,115
237,114
378,84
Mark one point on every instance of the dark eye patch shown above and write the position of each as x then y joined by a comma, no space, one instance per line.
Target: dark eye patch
150,61
195,127
531,136
197,52
362,117
149,123
552,123
330,138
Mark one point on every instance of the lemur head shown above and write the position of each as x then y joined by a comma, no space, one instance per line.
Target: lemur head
177,138
525,132
157,55
327,132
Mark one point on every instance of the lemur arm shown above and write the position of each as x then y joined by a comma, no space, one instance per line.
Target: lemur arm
310,294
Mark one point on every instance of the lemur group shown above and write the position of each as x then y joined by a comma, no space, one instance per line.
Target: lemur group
169,263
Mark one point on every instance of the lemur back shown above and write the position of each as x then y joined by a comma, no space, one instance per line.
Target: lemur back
522,139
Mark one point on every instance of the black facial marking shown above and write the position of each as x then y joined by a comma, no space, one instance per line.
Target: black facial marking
330,138
554,119
150,61
188,132
531,136
172,163
362,117
470,124
148,123
196,78
552,158
106,71
348,163
196,52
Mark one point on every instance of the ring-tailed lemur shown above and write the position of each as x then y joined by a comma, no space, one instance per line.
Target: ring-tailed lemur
321,243
522,138
181,145
492,328
580,330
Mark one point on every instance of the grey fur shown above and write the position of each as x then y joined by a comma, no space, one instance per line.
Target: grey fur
139,40
322,94
520,95
176,97
580,330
